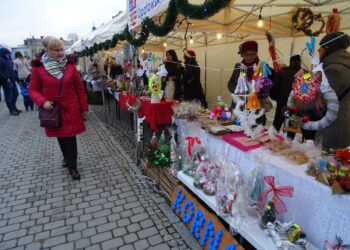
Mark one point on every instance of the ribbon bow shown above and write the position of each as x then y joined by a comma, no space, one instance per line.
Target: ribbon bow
277,192
339,245
265,68
190,143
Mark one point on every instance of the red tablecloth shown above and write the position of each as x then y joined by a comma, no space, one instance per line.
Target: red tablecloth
122,101
157,113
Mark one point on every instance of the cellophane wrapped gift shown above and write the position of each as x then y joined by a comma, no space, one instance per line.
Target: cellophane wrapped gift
227,188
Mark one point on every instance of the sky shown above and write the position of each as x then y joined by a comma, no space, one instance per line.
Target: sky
20,19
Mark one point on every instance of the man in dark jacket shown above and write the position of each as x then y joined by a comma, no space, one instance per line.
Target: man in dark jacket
281,88
8,79
336,66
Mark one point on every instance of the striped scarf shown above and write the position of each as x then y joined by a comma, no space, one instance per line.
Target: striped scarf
55,67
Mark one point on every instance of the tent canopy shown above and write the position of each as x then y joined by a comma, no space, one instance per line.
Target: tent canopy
239,21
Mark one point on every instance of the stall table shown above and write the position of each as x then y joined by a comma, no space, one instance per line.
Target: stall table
320,214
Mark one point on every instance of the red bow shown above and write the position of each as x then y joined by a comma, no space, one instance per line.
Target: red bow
190,143
277,191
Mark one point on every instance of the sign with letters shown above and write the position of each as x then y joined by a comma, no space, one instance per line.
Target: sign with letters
203,224
138,10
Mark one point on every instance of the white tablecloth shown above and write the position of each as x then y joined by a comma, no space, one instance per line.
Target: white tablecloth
320,214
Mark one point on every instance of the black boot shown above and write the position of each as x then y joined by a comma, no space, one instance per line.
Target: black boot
74,173
64,164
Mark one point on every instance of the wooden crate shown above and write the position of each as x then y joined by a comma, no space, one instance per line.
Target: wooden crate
167,182
163,177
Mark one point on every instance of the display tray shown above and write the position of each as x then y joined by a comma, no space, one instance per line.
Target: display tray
254,234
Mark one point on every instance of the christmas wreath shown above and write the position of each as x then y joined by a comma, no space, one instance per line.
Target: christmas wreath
305,88
302,20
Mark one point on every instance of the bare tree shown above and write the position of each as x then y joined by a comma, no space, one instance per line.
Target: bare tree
73,37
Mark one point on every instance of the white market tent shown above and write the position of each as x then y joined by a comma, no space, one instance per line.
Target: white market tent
236,23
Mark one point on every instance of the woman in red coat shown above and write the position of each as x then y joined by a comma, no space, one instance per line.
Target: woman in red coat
44,88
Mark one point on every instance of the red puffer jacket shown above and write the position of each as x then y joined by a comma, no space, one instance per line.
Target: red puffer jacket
44,87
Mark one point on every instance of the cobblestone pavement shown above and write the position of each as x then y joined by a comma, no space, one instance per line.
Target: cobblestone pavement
41,207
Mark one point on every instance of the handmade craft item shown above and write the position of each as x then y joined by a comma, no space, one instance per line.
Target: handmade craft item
155,88
304,18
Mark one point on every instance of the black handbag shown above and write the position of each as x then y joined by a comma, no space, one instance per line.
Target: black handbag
52,118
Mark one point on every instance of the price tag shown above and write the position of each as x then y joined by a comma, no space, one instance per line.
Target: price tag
307,76
250,174
296,226
268,207
241,74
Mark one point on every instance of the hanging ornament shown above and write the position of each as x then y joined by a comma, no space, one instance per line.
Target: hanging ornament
154,141
333,22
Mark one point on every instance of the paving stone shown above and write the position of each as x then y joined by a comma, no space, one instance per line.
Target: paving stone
94,247
123,222
74,236
82,244
146,223
54,241
155,240
96,222
147,232
67,246
80,226
8,244
101,237
119,232
89,232
127,247
25,240
139,217
61,230
129,238
112,244
134,227
141,244
14,234
42,236
106,227
160,247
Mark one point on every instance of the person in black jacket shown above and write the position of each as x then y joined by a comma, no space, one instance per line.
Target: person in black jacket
191,79
281,88
175,69
8,78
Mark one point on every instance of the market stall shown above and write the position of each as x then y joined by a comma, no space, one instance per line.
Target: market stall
268,189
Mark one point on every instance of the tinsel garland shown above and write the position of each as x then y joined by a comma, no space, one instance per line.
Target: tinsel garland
168,23
137,42
199,12
202,11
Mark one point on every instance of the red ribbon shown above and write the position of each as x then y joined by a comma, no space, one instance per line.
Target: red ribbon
190,143
277,192
335,247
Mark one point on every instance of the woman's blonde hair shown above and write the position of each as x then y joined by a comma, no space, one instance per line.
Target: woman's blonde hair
51,42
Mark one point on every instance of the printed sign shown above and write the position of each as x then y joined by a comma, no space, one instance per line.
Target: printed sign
203,224
138,10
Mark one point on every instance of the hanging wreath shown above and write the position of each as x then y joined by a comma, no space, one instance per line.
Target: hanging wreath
303,19
155,84
305,88
168,23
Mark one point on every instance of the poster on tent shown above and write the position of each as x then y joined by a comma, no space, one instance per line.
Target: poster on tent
138,10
